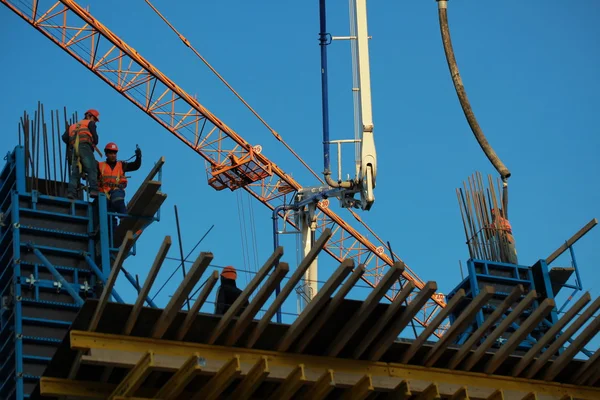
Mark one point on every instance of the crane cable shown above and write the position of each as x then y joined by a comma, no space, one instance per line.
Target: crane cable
462,94
188,44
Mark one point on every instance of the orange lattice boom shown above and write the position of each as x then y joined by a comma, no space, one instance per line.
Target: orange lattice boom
234,163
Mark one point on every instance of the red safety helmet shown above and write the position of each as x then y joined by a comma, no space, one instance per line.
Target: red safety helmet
93,112
229,272
111,147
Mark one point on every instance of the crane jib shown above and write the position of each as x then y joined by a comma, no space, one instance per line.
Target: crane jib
74,29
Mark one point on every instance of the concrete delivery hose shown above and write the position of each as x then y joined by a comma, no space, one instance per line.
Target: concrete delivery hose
462,94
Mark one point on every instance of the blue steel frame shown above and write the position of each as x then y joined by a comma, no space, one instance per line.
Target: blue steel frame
16,201
519,274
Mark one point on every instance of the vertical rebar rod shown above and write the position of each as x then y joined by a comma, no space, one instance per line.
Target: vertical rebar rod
46,159
462,214
54,179
181,250
67,161
60,158
37,148
495,206
32,155
474,200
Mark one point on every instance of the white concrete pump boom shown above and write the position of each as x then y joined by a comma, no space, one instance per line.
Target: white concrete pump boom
368,155
364,142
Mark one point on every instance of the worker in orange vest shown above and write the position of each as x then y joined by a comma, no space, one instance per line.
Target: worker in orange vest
112,176
507,240
81,139
228,292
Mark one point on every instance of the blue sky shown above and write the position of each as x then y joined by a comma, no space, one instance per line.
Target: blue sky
530,73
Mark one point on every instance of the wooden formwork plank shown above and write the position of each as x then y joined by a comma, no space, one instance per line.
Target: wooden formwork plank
517,337
439,318
489,321
142,197
575,347
551,334
460,394
392,312
497,395
288,388
157,166
245,295
502,327
257,374
222,379
388,337
366,308
135,377
315,305
400,392
461,323
139,220
322,387
180,379
430,393
571,241
289,286
139,303
178,298
361,390
331,308
259,300
562,339
193,312
110,282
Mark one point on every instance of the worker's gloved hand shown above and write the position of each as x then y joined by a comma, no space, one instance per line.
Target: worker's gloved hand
138,152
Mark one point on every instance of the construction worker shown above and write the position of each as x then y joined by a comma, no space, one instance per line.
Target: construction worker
81,139
507,240
112,176
228,292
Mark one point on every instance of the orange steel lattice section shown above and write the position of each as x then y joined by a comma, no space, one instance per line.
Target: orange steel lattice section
233,162
238,172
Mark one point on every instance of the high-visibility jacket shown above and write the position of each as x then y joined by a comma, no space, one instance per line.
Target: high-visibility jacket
80,130
503,224
112,178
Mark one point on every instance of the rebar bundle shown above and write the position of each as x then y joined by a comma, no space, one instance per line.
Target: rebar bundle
478,206
45,146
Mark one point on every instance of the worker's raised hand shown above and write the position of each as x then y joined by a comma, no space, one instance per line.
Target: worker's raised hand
138,152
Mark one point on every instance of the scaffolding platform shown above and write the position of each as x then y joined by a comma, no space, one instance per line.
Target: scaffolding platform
336,348
54,255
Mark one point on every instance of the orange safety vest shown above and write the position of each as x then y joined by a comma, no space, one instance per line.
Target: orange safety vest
503,224
81,130
112,178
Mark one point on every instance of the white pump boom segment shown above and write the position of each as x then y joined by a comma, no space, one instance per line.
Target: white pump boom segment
368,155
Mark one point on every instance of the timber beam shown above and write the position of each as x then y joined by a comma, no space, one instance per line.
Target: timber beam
171,355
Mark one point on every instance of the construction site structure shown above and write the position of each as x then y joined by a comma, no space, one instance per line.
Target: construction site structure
335,349
522,287
63,336
55,252
232,162
506,338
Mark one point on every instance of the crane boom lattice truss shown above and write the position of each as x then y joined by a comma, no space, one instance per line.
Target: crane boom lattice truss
234,163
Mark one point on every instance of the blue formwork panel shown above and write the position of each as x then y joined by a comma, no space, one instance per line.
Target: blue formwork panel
503,278
44,273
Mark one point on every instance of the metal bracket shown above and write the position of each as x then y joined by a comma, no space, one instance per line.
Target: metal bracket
31,280
85,287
